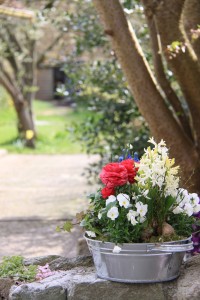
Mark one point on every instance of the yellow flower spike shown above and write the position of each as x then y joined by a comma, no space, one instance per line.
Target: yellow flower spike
170,162
174,171
29,134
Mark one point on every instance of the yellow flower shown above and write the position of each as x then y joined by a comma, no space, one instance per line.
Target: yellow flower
29,134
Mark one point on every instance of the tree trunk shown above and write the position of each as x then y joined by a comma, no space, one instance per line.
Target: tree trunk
25,123
168,15
147,96
164,83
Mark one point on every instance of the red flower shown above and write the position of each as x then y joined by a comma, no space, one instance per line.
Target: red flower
106,192
114,174
131,169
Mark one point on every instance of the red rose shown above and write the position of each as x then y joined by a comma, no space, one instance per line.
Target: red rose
106,192
114,174
131,169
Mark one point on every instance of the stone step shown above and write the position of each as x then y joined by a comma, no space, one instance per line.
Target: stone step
76,280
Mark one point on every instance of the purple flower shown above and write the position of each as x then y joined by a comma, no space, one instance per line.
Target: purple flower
196,235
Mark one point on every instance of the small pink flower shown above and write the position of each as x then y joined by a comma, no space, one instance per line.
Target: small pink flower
43,272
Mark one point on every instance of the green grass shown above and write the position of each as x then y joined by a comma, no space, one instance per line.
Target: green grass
51,124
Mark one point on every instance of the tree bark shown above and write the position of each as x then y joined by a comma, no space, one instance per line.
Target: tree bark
168,16
143,85
25,121
164,83
26,124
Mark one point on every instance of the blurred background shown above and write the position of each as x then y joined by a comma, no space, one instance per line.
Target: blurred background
66,109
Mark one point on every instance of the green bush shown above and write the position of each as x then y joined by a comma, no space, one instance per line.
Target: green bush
14,267
115,120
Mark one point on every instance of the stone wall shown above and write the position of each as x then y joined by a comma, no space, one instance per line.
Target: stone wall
76,280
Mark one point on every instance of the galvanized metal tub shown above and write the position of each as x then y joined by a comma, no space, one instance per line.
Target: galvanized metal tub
139,262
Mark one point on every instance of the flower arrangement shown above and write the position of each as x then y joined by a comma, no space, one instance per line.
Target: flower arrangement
141,201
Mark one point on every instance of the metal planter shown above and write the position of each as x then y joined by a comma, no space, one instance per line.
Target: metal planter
139,262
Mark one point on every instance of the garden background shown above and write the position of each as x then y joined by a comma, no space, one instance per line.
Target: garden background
64,95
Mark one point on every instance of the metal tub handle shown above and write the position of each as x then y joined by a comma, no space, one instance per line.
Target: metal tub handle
170,248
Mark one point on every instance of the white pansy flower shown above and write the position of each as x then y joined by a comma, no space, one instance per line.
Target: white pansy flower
131,213
91,233
133,221
113,213
183,195
124,200
116,249
177,210
131,216
196,208
188,209
194,198
110,199
141,208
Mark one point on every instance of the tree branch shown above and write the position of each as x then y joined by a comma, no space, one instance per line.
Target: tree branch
13,39
49,48
6,74
164,83
15,94
10,56
184,65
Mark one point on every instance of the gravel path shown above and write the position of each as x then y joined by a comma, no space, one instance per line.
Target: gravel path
37,192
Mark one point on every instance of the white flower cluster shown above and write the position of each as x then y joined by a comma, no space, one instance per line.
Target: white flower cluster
137,216
186,203
156,170
123,199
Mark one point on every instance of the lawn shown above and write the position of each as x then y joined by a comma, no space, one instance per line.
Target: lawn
52,123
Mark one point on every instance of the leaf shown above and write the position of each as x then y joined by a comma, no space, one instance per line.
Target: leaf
67,226
197,222
58,229
80,216
168,202
91,196
83,223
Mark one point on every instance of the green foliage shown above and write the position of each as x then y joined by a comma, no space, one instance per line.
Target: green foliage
118,231
121,230
115,119
98,85
182,224
67,226
14,267
86,26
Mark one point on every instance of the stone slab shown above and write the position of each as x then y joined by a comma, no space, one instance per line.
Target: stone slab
81,283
